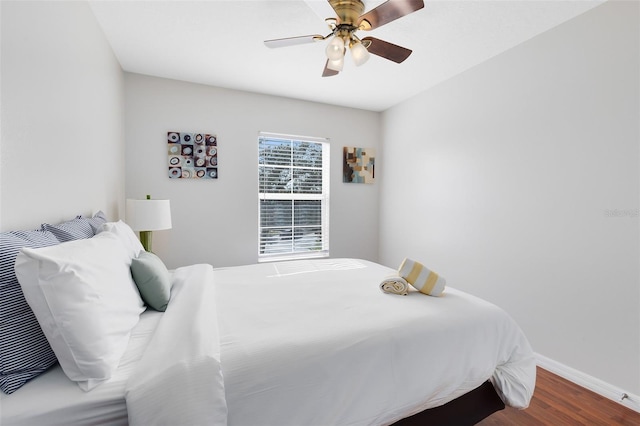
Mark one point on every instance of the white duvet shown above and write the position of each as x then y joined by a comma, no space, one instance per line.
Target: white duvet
317,343
178,380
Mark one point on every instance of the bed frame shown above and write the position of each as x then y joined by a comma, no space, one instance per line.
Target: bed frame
466,410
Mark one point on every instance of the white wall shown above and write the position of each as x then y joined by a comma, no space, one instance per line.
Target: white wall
62,132
215,221
507,175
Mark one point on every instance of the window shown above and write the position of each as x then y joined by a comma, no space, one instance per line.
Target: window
293,197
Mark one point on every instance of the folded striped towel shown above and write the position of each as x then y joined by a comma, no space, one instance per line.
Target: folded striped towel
395,285
419,276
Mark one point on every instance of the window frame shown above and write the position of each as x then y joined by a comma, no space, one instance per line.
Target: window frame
292,196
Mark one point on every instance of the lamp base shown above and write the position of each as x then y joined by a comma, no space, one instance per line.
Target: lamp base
145,239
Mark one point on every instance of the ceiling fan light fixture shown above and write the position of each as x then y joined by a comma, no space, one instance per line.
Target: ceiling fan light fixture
350,18
359,53
335,49
336,65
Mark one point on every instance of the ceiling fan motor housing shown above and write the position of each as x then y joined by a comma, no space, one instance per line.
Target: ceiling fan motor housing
348,11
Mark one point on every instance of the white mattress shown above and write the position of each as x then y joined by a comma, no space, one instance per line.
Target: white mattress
53,399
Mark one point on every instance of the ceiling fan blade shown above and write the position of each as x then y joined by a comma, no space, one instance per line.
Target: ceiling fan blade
328,72
387,50
292,41
387,12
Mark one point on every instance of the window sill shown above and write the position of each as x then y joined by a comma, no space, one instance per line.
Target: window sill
293,256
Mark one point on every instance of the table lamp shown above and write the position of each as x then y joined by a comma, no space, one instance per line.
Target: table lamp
148,215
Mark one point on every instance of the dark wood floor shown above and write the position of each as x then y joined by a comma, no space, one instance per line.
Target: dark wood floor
557,401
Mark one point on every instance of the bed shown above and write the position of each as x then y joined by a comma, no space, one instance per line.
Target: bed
309,342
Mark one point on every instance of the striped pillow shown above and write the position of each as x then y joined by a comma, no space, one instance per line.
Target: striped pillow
25,352
96,221
74,229
419,276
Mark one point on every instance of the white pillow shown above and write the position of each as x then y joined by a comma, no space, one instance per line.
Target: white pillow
86,302
126,235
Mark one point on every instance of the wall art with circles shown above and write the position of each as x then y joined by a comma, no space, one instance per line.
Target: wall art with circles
192,155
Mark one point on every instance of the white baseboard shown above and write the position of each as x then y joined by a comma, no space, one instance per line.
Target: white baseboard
595,385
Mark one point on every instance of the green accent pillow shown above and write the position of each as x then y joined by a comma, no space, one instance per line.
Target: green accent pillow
153,281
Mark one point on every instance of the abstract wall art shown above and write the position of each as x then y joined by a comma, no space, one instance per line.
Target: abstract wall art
359,165
192,155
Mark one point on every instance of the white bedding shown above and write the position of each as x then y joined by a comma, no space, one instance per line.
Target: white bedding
53,399
178,380
317,343
296,343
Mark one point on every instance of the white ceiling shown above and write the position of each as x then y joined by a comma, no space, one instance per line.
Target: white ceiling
220,43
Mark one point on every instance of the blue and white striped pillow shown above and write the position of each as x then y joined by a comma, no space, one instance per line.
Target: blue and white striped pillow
78,228
96,221
25,352
74,229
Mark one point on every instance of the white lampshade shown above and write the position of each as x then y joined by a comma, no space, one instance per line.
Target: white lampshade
359,53
148,215
335,49
336,65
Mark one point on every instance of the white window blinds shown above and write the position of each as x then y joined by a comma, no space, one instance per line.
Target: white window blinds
293,197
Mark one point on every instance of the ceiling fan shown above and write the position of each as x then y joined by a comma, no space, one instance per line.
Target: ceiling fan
349,19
